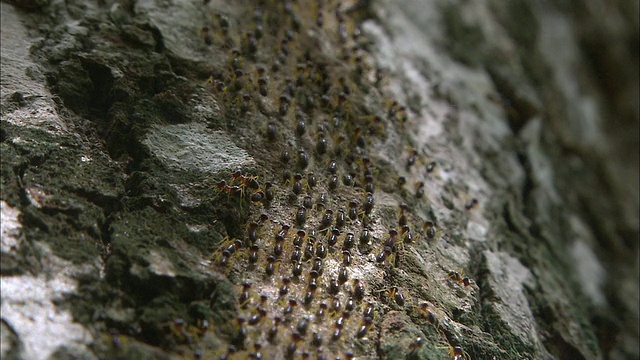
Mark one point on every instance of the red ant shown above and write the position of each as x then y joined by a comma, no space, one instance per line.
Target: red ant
460,278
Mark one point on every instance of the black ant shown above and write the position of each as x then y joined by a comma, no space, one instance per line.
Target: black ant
412,159
272,131
419,189
364,237
368,203
393,293
297,184
364,328
349,241
206,35
430,229
358,289
353,209
471,204
333,238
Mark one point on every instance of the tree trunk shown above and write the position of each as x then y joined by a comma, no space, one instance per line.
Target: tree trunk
368,179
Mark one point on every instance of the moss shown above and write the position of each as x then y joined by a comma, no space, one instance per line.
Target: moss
464,39
503,334
173,278
11,165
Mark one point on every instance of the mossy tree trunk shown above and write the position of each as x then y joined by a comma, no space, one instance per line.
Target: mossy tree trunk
468,179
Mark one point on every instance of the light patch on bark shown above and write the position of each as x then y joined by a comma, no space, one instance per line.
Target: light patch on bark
10,227
19,75
192,147
158,265
589,271
507,280
28,307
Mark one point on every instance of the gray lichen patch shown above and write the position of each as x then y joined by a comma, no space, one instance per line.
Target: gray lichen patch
176,25
39,113
192,147
15,57
10,228
25,100
504,295
29,309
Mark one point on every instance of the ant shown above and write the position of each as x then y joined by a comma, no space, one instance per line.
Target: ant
402,218
368,204
303,159
272,131
297,184
407,236
401,182
244,296
346,257
419,189
430,228
358,290
364,328
393,293
298,239
284,104
455,352
368,180
327,219
353,209
263,87
272,263
250,44
307,202
229,189
321,144
412,159
268,192
301,127
460,278
237,84
311,181
206,35
341,219
301,216
280,236
416,344
471,204
244,182
179,329
333,238
431,166
364,237
383,255
225,250
425,309
250,182
349,241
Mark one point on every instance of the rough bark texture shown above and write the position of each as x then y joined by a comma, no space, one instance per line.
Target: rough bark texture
504,135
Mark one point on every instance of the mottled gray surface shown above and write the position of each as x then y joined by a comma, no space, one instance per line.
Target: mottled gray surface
113,141
192,147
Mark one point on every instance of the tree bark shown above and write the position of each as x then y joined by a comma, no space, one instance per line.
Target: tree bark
169,187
